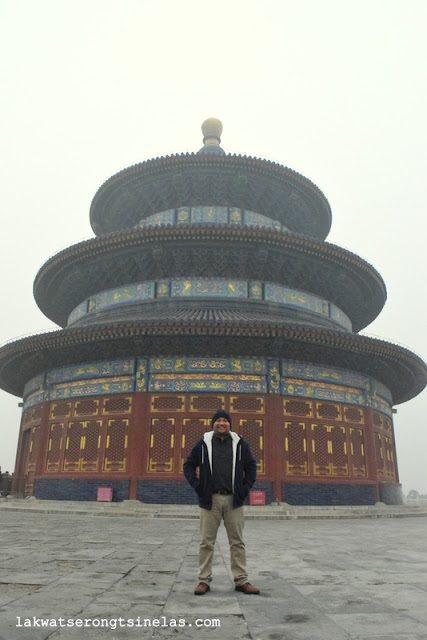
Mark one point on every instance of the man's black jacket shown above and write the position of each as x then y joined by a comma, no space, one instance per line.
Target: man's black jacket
243,473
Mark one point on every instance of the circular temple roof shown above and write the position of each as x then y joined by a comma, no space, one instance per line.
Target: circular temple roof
123,255
210,179
401,371
335,274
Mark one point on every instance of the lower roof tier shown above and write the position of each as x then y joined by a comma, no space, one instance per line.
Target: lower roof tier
400,370
119,259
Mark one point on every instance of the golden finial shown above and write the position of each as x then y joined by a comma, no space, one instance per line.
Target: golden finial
212,130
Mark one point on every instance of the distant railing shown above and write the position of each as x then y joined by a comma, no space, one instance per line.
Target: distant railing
389,342
40,332
5,484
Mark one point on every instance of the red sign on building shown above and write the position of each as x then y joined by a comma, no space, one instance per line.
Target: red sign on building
256,497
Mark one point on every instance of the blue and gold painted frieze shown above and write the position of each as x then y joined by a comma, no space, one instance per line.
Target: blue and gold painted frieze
235,216
252,219
335,375
291,297
35,398
182,215
210,288
339,317
380,405
79,312
163,289
256,290
228,375
91,370
34,384
273,377
246,366
380,390
214,288
98,386
227,383
159,219
211,215
323,391
141,374
122,295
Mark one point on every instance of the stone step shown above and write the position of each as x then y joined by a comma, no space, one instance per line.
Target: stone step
277,511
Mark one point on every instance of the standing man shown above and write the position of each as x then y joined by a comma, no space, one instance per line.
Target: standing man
227,470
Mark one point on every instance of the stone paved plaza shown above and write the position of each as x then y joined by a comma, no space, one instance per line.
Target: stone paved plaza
319,579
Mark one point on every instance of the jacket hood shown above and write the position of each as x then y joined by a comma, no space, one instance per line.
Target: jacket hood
207,437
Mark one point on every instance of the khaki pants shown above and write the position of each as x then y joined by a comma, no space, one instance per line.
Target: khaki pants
222,509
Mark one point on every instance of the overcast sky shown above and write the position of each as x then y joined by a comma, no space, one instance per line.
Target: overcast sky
335,89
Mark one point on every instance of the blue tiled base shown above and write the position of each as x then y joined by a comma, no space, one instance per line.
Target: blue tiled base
69,489
166,492
176,492
391,494
328,494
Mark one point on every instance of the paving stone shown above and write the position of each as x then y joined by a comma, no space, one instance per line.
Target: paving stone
300,628
344,599
100,580
100,566
102,634
86,554
319,580
13,591
10,631
399,636
207,627
28,577
384,623
418,611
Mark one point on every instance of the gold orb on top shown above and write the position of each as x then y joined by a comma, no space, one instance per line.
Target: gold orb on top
212,130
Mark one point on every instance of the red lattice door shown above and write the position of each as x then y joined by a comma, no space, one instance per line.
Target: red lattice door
116,445
357,453
162,441
56,440
192,430
338,451
252,430
90,446
296,459
73,446
320,447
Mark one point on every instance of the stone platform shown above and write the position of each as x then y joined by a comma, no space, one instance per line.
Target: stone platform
339,577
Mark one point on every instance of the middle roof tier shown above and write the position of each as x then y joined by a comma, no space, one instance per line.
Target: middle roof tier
210,251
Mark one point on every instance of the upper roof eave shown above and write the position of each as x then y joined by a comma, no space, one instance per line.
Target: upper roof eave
187,179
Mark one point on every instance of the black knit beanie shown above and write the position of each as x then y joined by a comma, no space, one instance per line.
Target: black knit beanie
221,414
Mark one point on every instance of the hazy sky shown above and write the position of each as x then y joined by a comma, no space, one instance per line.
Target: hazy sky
335,89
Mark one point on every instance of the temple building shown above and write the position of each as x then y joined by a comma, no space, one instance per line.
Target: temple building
208,285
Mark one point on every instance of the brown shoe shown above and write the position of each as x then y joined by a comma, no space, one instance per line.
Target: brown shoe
248,588
201,589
